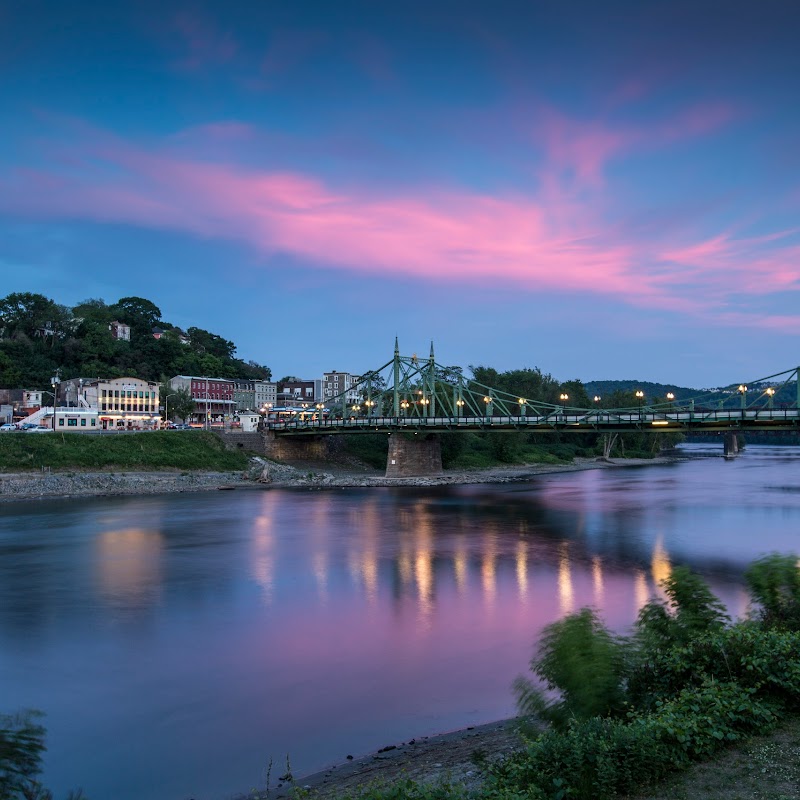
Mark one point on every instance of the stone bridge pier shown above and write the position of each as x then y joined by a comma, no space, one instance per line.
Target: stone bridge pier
299,448
412,455
731,444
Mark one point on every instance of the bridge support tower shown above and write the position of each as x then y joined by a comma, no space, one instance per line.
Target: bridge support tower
412,456
731,444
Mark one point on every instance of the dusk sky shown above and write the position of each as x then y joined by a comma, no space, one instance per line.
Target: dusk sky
602,190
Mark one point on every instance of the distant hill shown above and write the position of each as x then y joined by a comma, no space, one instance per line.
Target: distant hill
651,390
785,395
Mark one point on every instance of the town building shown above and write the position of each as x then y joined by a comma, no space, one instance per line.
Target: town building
266,394
121,403
244,395
334,383
295,393
119,330
214,402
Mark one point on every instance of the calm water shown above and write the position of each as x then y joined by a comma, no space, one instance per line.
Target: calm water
178,642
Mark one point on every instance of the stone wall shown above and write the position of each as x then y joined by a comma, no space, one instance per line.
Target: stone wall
299,448
411,455
250,442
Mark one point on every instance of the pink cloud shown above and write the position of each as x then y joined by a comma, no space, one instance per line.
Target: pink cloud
550,241
583,149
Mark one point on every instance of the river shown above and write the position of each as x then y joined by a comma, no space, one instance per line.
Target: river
177,643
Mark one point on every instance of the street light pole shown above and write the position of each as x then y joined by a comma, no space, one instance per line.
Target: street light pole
640,397
166,406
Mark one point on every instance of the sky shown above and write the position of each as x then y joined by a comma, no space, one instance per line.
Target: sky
601,190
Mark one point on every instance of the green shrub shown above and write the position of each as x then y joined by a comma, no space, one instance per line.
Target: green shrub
765,660
584,662
601,757
774,583
691,610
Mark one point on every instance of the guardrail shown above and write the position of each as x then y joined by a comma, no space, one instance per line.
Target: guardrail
568,418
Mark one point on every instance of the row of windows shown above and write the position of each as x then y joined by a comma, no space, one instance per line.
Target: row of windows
73,422
126,393
127,407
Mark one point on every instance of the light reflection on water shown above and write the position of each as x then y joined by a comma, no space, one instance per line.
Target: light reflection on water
177,643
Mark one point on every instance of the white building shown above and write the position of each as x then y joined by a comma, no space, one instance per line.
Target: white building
120,403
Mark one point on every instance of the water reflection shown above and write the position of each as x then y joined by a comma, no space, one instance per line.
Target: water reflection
308,622
128,566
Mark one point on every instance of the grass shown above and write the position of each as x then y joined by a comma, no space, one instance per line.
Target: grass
187,450
764,768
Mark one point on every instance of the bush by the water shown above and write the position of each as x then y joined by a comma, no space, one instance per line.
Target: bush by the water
188,450
629,711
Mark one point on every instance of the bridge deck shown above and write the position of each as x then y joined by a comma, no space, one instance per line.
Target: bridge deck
569,420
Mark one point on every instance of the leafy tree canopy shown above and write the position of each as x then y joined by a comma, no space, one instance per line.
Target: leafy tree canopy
39,338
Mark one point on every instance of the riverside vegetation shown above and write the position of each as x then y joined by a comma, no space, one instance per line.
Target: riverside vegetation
622,712
195,450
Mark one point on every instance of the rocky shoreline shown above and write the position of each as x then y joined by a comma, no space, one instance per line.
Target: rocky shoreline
268,474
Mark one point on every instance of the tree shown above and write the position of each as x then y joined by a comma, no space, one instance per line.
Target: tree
139,313
27,313
206,343
21,748
180,403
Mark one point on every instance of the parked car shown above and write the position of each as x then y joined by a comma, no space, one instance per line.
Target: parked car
8,427
26,426
39,429
184,427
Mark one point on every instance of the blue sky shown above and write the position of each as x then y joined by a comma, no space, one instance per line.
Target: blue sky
600,190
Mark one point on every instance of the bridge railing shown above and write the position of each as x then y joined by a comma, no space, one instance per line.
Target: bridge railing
589,419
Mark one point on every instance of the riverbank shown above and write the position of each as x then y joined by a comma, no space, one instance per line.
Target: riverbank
264,474
448,757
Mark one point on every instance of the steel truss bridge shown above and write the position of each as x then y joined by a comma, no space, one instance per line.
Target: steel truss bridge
413,395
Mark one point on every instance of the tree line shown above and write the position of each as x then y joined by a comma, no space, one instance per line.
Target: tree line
40,338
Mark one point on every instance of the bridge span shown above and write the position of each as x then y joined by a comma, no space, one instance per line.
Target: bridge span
414,400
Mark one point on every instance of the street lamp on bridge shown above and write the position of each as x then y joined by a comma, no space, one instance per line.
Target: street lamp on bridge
640,397
488,400
522,403
743,392
770,394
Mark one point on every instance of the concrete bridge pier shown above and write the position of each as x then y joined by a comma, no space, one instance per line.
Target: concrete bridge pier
413,455
731,444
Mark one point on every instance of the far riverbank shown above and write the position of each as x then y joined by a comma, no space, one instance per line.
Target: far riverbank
264,474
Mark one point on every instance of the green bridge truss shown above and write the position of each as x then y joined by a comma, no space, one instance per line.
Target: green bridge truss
409,392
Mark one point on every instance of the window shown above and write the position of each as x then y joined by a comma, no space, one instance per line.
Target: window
61,422
83,422
72,423
94,422
116,392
